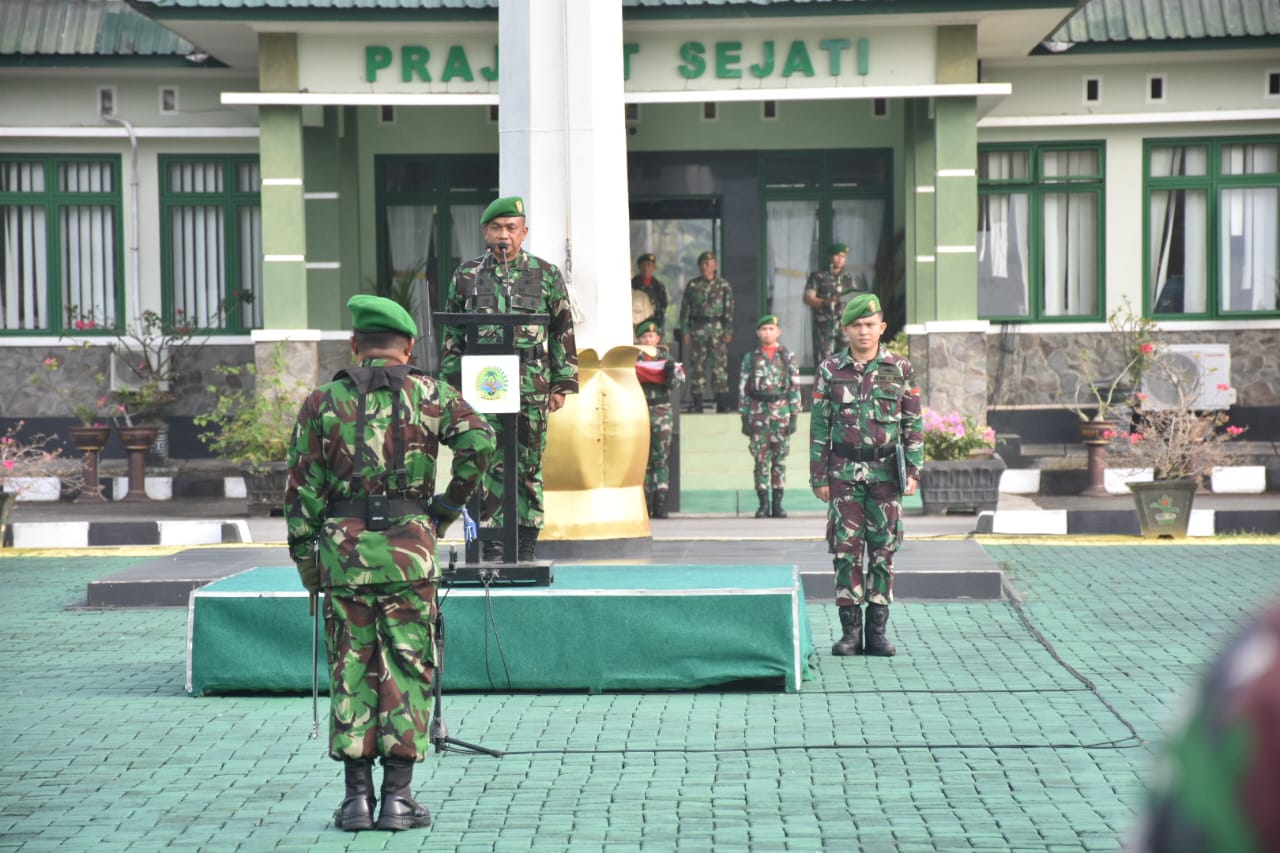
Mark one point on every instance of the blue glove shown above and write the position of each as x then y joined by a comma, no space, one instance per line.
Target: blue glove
470,530
443,514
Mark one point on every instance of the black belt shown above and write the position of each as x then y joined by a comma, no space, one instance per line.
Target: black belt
860,454
534,353
765,396
396,507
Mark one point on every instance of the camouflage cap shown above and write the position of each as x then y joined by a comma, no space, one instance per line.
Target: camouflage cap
766,319
706,256
647,326
511,205
371,313
838,249
647,256
862,305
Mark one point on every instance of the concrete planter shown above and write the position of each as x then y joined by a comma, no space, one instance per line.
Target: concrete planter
962,485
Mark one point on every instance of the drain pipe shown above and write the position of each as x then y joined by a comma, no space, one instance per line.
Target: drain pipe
135,262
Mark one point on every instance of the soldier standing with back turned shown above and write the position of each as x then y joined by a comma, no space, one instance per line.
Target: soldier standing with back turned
865,404
706,322
362,525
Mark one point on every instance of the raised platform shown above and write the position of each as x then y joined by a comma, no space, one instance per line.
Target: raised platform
596,628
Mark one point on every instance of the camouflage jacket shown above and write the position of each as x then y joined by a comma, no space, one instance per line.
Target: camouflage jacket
769,384
527,285
834,290
323,468
657,293
705,303
865,406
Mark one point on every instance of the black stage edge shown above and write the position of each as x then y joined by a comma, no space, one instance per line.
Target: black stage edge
167,581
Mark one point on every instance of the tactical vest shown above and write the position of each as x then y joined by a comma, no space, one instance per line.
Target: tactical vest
480,291
759,365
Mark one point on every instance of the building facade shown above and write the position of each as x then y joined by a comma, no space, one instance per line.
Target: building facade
1007,173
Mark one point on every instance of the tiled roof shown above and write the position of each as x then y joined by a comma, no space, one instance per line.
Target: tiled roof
1158,20
80,28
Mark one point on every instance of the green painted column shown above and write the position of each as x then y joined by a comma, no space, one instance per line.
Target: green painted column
280,152
922,283
328,261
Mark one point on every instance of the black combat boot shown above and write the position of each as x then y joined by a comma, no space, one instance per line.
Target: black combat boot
659,504
696,405
778,511
723,405
763,495
850,643
648,504
877,621
356,811
528,545
491,551
399,809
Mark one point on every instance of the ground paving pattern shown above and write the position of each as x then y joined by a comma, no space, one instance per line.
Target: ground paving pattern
974,738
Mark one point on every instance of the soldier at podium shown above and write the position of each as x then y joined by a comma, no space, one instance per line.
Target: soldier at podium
507,279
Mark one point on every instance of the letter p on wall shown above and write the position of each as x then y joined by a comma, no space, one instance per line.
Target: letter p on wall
376,58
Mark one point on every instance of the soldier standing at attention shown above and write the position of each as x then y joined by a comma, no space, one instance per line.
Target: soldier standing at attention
706,322
659,375
362,525
504,280
865,403
769,402
648,294
825,292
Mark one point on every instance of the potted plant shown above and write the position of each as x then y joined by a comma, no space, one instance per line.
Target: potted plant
962,470
1181,447
88,404
25,463
251,424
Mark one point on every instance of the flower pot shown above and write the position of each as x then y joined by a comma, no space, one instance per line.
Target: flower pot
1164,507
137,440
89,440
264,487
961,485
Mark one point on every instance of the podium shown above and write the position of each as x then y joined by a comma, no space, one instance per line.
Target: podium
490,382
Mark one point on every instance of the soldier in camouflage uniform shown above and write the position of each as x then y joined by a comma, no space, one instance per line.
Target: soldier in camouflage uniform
706,323
865,403
659,375
769,402
509,280
362,525
825,292
648,294
1218,783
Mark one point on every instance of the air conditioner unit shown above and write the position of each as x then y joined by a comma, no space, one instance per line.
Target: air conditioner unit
1194,376
124,378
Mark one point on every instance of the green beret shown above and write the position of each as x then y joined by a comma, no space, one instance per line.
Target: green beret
511,205
768,318
647,326
706,256
646,257
838,249
379,314
862,305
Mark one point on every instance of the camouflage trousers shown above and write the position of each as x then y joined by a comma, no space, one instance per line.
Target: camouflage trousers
381,649
827,338
657,477
531,438
708,351
864,516
769,444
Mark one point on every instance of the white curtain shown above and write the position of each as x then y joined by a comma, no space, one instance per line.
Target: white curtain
468,241
88,259
1070,254
1178,231
1003,282
196,270
859,222
251,264
24,272
792,233
1248,235
409,235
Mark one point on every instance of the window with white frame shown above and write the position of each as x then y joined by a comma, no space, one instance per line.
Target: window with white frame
60,262
211,241
1212,220
1040,228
